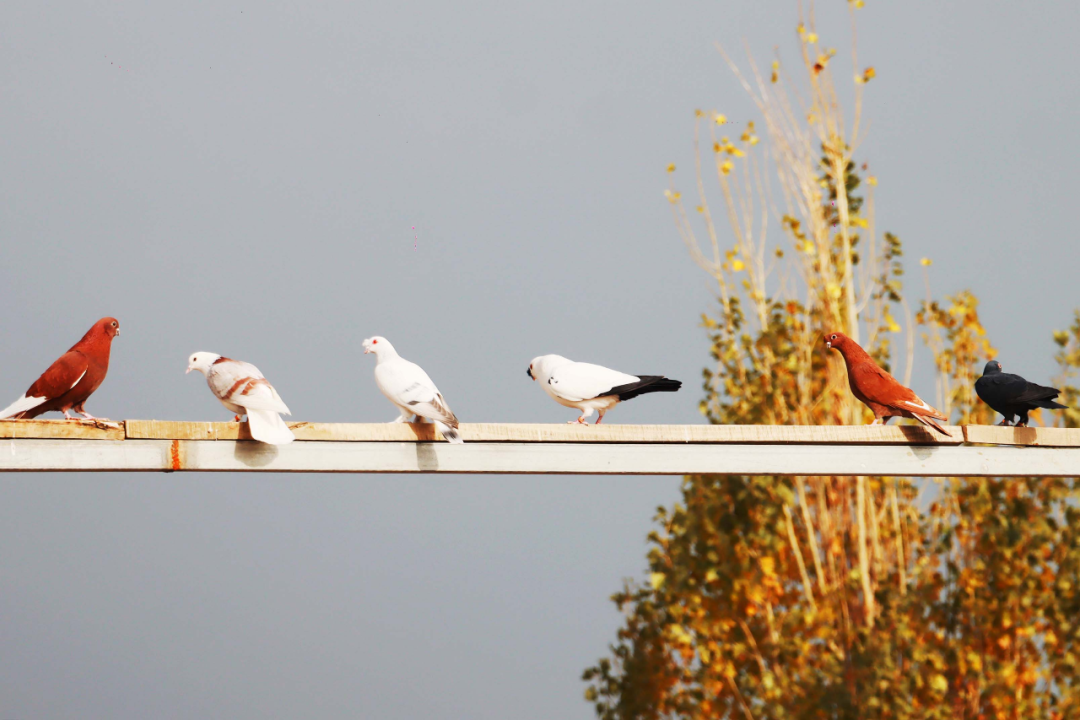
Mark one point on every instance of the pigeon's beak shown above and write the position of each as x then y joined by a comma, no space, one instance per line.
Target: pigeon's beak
117,332
828,344
367,351
529,373
189,369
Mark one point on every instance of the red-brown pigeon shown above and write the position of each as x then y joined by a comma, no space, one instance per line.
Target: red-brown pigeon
72,379
879,390
243,390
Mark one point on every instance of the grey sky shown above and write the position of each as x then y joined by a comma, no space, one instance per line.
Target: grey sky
242,178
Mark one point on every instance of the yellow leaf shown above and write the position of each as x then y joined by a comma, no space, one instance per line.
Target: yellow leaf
860,4
812,37
1050,638
975,661
801,29
869,74
656,580
711,576
926,262
753,139
737,152
737,265
834,292
721,119
939,683
859,222
891,323
871,180
700,209
671,168
1004,642
726,167
768,566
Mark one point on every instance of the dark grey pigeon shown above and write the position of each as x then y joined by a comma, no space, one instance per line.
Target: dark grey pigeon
1013,395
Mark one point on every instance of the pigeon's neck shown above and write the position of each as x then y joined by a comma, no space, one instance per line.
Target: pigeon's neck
853,355
386,354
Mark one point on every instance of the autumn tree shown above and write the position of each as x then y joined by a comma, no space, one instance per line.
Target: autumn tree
837,597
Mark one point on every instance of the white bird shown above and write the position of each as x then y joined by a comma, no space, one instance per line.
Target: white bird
589,387
243,390
406,385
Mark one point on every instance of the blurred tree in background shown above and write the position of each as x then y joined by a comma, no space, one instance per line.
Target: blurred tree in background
839,597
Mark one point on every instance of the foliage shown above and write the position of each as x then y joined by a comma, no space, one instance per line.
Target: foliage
845,597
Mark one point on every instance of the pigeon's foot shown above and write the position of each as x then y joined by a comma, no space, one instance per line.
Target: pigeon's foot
1021,424
1004,423
67,416
87,415
579,421
877,421
236,418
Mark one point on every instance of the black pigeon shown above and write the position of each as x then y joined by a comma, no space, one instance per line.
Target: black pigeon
1013,395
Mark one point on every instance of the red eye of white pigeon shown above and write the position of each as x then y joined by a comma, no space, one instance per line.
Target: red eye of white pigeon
374,342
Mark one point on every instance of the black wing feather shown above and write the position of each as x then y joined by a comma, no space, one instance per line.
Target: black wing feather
645,384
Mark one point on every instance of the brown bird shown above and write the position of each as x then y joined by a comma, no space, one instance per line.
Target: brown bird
879,390
72,378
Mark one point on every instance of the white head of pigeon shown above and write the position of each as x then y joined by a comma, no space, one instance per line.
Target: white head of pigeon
201,361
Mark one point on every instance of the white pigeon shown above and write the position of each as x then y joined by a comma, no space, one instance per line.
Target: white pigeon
243,390
591,387
410,389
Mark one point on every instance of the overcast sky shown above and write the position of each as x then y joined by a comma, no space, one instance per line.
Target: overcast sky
243,178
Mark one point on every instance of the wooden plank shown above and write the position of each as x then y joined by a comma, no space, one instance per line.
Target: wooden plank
74,429
1042,436
511,432
534,458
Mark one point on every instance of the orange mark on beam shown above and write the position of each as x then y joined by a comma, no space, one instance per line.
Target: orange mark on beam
174,454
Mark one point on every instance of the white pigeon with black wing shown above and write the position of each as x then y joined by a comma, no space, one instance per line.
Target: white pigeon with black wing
406,385
243,390
589,387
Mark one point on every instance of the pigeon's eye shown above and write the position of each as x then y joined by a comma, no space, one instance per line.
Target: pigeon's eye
833,337
374,342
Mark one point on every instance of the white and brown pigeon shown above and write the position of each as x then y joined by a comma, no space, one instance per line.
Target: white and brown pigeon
243,390
406,385
589,387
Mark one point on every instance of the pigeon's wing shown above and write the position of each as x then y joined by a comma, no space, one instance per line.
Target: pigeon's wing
1001,388
880,387
408,386
242,384
578,381
61,376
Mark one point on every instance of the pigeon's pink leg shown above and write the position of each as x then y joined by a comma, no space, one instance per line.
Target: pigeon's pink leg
68,417
600,419
579,421
87,415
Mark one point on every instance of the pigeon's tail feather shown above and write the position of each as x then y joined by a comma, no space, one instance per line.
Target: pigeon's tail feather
645,384
451,434
1049,405
931,422
268,427
20,406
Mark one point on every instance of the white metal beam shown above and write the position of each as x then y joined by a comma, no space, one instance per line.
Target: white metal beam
44,455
